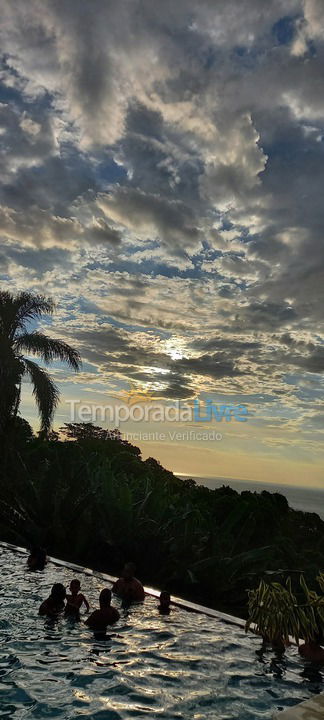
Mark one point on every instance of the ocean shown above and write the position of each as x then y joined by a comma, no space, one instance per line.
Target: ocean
299,498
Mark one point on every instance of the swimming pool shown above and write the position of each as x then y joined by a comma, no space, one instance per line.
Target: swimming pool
182,666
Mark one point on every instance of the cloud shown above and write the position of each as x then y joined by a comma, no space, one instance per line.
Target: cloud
232,172
28,138
150,214
162,178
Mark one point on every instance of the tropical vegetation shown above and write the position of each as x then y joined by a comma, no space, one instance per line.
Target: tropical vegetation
92,499
278,612
17,336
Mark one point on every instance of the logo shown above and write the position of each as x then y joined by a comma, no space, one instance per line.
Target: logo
138,405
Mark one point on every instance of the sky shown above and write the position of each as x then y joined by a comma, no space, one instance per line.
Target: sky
162,180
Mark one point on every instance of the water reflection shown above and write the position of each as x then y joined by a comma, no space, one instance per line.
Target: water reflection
181,666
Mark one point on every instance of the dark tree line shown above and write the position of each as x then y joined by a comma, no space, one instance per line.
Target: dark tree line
95,501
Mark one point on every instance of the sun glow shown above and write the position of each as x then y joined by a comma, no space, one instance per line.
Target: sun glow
175,349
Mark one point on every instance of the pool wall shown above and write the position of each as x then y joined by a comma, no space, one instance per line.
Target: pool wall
312,709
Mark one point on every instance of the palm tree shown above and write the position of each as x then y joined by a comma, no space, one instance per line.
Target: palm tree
17,314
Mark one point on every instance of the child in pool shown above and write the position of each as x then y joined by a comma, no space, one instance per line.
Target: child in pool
164,607
76,599
106,615
54,604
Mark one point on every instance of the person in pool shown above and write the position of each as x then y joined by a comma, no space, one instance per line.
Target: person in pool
54,604
37,558
312,650
128,587
165,599
76,599
106,615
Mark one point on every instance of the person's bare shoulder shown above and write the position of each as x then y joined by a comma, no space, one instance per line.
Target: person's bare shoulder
139,589
117,585
43,610
92,618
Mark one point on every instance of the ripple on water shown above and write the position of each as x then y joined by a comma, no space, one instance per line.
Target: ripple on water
184,666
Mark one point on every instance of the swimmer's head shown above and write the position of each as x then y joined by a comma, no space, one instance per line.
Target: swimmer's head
75,586
165,598
58,592
129,570
37,556
105,598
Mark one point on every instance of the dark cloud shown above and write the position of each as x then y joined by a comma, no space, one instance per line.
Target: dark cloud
214,366
53,184
100,232
152,214
232,346
27,137
313,362
159,157
118,351
143,121
138,137
264,316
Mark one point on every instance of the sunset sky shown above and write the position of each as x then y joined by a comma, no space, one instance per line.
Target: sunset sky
162,176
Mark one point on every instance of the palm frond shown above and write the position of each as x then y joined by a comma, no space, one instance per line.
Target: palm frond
45,392
15,311
48,349
31,306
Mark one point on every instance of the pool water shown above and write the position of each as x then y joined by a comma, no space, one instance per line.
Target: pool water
184,665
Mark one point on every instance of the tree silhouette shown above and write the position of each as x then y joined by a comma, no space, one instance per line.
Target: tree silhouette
17,313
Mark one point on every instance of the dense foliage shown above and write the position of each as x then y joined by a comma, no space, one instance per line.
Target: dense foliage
280,611
95,501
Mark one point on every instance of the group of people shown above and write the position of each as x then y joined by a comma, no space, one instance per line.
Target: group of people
127,587
130,590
